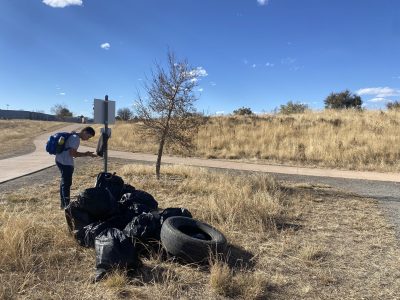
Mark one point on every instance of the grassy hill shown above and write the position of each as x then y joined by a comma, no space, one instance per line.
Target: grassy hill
348,139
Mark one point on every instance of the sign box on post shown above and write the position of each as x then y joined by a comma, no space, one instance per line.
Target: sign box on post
99,108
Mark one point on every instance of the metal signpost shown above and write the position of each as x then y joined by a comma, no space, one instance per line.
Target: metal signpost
104,112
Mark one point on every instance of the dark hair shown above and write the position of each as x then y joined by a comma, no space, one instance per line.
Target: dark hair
89,130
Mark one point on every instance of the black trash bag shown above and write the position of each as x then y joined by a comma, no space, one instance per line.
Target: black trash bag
112,182
76,217
144,227
114,250
88,234
139,196
174,212
126,204
128,189
98,203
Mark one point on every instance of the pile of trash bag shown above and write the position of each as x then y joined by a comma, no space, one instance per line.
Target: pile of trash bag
112,218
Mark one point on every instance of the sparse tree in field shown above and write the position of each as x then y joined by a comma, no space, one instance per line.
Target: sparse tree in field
61,111
243,111
124,114
293,108
395,105
342,100
168,112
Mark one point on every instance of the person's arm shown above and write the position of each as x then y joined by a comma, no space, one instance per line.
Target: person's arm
74,153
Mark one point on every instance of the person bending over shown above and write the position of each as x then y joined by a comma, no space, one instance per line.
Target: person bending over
65,161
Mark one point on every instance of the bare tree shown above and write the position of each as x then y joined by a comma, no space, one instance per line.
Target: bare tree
168,111
124,114
61,111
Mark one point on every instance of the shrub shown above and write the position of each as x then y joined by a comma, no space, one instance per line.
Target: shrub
293,108
342,100
393,105
243,111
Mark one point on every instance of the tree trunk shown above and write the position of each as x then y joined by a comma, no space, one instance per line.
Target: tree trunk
160,152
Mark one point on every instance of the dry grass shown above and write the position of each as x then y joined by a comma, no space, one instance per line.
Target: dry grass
336,139
17,136
286,242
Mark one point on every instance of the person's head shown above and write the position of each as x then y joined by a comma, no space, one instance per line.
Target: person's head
87,133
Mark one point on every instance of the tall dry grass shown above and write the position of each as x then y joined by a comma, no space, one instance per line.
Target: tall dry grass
285,242
349,139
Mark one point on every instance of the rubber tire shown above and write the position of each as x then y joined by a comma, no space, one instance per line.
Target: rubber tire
187,247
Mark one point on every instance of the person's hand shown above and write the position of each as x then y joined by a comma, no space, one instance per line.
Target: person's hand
90,154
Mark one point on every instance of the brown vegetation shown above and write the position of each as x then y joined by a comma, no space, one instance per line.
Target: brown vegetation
17,136
286,242
347,139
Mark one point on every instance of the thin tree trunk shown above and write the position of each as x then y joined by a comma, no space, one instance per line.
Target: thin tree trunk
162,142
160,152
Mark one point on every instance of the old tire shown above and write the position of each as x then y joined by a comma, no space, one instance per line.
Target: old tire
191,239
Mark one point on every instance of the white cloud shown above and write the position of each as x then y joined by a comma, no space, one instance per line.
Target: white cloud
268,64
212,83
220,112
262,2
254,65
379,92
62,3
105,46
200,89
379,99
62,94
288,61
245,61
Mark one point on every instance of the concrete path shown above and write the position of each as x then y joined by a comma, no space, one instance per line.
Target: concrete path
15,167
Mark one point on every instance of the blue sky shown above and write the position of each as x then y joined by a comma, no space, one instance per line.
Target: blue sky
257,54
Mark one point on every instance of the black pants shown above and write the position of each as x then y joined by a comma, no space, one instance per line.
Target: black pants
65,183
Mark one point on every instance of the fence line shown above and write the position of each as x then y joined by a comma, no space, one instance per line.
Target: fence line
30,115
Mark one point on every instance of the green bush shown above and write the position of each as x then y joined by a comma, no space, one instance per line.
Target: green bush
293,108
243,111
342,100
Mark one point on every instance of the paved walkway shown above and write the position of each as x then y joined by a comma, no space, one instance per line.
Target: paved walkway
15,167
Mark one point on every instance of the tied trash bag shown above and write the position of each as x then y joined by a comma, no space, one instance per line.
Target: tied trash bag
145,226
148,225
111,182
139,196
76,217
98,203
128,189
114,250
174,212
87,235
136,209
